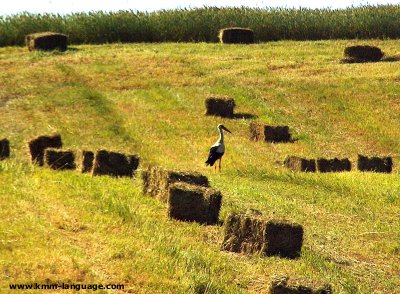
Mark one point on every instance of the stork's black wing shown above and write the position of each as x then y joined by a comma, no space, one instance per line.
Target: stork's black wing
213,156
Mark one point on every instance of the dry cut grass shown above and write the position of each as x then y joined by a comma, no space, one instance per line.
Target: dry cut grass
148,99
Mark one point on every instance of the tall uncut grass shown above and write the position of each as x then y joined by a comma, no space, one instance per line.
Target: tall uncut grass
202,25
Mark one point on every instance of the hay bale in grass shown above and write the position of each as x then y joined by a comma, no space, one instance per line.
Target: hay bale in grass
296,163
279,285
157,180
4,149
257,131
114,164
362,54
333,165
277,134
283,238
47,41
273,134
250,234
194,203
375,164
236,36
220,106
39,144
59,160
85,163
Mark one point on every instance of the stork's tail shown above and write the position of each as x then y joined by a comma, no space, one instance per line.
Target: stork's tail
209,162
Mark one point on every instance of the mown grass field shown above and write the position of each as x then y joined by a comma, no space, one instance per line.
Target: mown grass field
149,99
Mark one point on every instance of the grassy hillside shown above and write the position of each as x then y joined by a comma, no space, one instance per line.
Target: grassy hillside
203,24
149,99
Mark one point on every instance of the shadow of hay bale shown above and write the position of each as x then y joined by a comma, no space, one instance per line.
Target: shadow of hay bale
220,106
85,161
4,149
393,58
194,203
333,165
47,41
242,115
59,160
295,163
157,180
236,36
114,164
359,54
375,164
279,285
272,134
39,144
252,234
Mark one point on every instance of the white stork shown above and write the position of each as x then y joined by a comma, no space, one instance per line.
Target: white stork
218,149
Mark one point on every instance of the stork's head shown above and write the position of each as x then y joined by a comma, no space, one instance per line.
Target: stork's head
222,127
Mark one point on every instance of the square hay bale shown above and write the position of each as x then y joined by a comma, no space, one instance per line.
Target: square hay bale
333,165
300,164
249,233
244,233
283,238
85,161
375,164
194,203
361,53
273,134
47,41
114,164
236,36
59,160
220,106
279,285
157,180
4,149
277,134
39,144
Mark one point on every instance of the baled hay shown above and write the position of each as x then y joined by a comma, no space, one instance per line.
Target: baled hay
300,164
236,36
277,134
273,134
114,164
38,145
59,160
194,203
244,233
4,149
85,161
333,165
284,239
359,53
157,180
257,131
375,164
279,285
220,106
250,234
47,41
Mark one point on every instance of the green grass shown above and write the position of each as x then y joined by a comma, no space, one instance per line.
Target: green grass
203,24
149,99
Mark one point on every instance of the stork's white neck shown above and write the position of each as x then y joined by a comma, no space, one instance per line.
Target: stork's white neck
221,135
